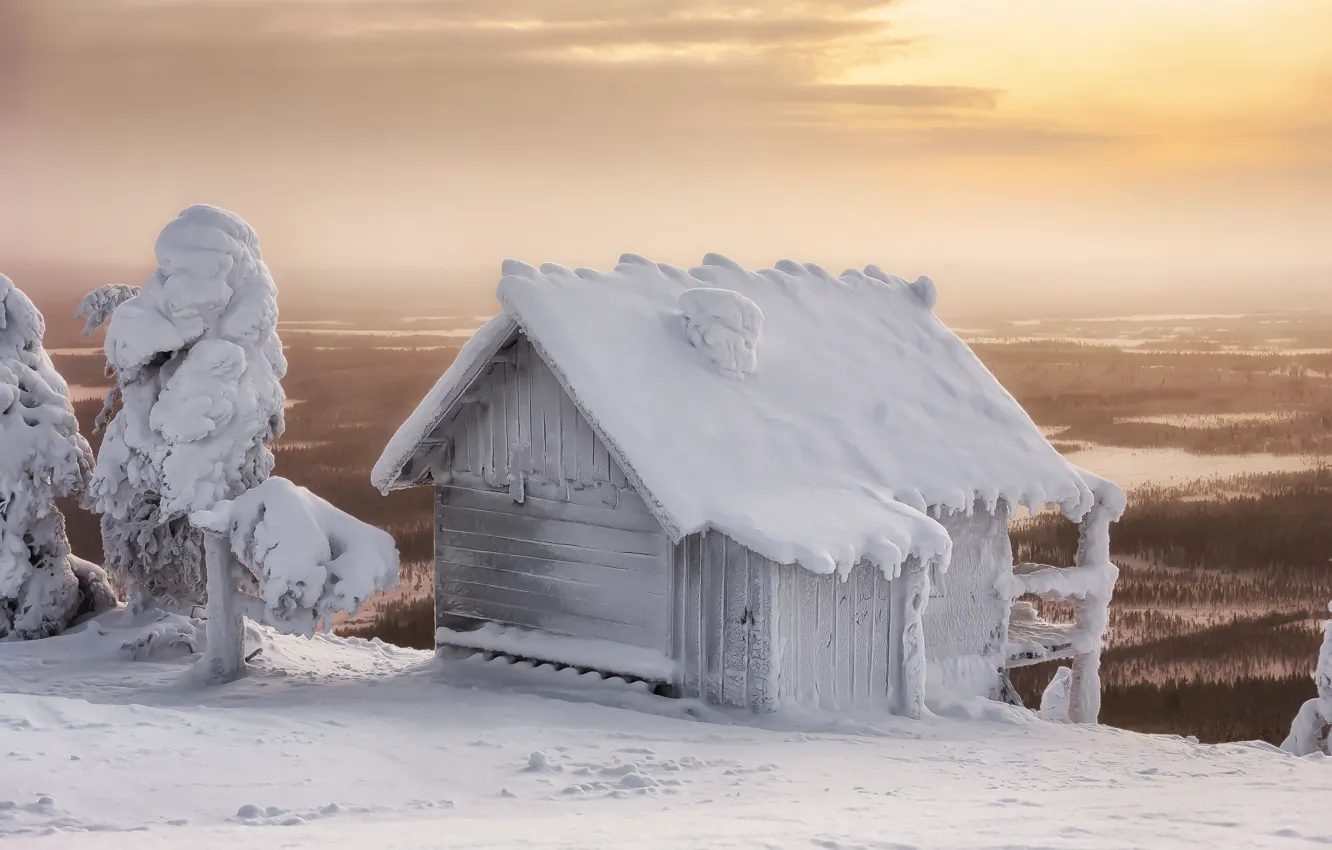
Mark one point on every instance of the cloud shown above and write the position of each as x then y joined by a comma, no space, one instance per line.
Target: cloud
894,96
474,77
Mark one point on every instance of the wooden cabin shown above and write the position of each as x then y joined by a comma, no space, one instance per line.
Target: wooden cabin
753,488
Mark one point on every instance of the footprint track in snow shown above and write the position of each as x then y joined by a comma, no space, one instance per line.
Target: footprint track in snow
645,775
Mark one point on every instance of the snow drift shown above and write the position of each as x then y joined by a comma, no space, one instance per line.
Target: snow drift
725,326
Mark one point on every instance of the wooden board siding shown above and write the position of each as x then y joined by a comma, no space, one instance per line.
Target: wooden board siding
723,622
834,637
517,422
535,525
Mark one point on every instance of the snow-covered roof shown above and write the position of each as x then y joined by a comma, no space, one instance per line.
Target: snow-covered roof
810,417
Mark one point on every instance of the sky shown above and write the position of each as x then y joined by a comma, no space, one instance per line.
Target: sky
1089,147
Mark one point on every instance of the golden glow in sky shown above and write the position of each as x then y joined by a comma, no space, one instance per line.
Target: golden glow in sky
1184,135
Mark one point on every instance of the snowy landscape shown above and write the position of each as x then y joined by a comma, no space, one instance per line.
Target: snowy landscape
337,743
235,717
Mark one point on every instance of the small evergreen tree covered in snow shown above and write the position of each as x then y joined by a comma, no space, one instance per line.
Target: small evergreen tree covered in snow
1309,731
198,365
43,587
282,556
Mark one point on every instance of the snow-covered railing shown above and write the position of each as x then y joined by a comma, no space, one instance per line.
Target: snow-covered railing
1088,585
282,556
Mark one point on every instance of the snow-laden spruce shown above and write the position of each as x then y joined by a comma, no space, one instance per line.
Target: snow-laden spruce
43,587
284,557
1309,731
198,364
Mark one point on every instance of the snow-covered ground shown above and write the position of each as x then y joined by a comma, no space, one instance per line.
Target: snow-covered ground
334,743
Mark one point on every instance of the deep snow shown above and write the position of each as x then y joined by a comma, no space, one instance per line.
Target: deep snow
335,743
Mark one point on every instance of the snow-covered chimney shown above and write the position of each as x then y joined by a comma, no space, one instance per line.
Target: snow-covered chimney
725,326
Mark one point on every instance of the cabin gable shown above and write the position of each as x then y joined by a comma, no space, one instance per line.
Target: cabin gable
535,524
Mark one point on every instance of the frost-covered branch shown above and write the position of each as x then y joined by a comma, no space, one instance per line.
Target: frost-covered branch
96,308
1309,731
305,559
98,305
43,587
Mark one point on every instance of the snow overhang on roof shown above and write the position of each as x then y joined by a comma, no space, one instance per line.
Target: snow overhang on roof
813,418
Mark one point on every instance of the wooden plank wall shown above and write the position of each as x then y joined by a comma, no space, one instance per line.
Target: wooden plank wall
518,421
834,644
723,622
536,525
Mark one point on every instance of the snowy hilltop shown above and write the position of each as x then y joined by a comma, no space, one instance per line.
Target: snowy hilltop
333,743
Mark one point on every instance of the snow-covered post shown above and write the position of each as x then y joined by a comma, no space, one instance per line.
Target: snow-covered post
1054,699
282,556
909,593
198,364
43,587
1309,731
224,654
1092,608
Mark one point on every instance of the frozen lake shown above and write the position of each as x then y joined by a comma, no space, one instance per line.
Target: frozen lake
1208,420
1132,468
455,333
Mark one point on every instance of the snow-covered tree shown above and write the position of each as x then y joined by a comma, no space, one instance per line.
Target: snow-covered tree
198,365
281,555
1309,731
43,587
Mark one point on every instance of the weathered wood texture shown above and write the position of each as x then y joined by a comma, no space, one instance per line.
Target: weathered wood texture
834,637
966,618
536,525
723,622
